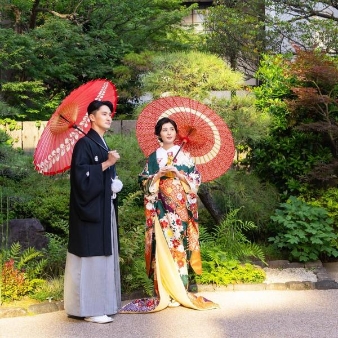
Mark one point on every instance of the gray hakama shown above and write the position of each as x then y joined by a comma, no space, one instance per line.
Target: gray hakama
92,285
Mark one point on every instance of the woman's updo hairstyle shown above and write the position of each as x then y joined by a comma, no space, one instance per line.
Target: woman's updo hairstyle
160,123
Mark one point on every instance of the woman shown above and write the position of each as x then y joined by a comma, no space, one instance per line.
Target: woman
92,277
170,181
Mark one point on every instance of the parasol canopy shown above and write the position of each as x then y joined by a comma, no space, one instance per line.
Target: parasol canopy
200,131
68,124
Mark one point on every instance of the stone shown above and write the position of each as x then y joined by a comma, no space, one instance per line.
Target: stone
229,287
326,284
249,287
295,265
276,286
44,307
8,312
278,264
28,232
315,264
300,285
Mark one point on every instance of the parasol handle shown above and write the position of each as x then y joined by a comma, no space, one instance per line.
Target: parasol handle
184,141
181,146
80,130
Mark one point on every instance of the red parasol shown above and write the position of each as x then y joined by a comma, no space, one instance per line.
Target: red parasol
68,124
201,131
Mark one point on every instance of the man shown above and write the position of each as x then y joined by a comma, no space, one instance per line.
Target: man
92,286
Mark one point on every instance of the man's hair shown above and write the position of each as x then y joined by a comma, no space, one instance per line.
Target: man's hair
96,104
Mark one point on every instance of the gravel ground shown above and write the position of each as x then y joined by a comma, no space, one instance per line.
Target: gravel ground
289,274
242,314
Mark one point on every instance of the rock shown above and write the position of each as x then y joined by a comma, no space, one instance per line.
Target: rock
289,274
9,312
326,284
28,232
278,264
44,307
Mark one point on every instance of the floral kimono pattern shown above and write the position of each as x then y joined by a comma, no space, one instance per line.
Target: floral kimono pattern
172,236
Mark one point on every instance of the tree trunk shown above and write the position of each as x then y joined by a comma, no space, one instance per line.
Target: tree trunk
209,203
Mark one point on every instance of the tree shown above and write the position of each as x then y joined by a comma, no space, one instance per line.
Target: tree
241,31
300,95
48,48
236,32
192,74
306,23
314,107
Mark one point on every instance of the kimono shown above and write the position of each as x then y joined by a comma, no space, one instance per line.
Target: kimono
171,238
92,275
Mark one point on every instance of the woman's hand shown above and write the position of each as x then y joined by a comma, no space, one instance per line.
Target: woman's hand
170,168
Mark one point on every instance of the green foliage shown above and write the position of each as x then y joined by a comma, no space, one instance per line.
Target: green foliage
20,272
224,272
131,231
285,158
189,74
255,200
237,32
7,115
229,235
49,202
55,47
305,231
327,199
56,250
287,154
131,162
241,115
50,289
27,97
310,20
223,251
12,166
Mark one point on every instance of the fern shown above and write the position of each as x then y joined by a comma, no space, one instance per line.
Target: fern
26,256
230,238
13,253
204,236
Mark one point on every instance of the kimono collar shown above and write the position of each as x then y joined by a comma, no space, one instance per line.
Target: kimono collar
162,155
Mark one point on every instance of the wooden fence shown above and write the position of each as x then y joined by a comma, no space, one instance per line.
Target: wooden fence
28,134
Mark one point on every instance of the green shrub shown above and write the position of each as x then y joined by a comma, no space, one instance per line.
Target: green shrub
56,250
255,200
50,289
20,272
229,235
14,284
226,253
305,231
131,163
220,271
131,231
327,199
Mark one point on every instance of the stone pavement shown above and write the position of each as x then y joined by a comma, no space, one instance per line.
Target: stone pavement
294,309
242,314
332,270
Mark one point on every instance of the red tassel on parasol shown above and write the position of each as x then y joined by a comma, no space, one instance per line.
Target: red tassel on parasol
68,124
201,132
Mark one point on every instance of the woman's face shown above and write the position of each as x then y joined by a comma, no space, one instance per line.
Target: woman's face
168,134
